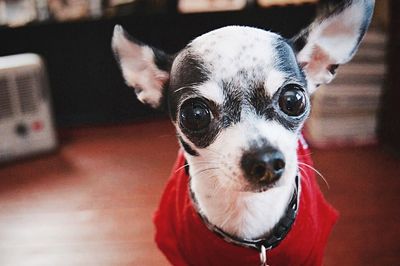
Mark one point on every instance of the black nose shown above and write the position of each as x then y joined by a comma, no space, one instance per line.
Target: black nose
263,166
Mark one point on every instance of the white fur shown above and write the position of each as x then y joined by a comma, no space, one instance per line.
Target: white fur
211,91
225,52
222,192
275,80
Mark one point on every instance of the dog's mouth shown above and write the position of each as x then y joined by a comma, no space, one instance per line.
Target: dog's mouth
260,188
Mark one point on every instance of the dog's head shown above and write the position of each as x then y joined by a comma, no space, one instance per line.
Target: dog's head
238,96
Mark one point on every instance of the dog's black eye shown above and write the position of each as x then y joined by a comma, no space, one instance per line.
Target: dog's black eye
195,115
292,100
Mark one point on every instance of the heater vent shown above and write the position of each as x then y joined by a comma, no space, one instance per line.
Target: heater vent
26,88
6,109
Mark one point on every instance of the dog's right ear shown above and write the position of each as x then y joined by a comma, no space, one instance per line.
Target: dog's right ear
144,68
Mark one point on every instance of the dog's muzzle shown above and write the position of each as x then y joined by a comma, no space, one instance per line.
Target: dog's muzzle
262,166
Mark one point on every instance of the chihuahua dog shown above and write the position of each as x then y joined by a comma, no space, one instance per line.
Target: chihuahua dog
238,97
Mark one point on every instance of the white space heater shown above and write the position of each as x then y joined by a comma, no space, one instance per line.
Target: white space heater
26,124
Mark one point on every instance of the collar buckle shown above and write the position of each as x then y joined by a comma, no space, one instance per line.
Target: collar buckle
263,256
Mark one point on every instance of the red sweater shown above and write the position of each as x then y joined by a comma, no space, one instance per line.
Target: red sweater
185,240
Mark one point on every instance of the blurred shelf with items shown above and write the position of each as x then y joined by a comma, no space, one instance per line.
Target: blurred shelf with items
74,39
16,13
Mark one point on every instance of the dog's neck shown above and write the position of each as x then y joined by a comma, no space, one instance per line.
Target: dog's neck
242,214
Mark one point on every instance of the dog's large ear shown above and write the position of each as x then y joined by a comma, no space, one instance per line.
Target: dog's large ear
332,39
144,68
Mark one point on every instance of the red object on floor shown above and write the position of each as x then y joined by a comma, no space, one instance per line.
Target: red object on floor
185,240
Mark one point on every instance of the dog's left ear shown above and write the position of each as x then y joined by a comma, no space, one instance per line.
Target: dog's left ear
332,39
144,68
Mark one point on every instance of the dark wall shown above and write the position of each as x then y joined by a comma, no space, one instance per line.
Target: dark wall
390,122
86,84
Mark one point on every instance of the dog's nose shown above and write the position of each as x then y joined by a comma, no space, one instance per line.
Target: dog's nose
263,166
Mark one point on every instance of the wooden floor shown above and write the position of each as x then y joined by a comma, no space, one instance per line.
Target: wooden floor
91,203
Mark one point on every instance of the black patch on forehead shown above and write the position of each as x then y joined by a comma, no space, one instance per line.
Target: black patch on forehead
286,62
189,72
232,105
259,100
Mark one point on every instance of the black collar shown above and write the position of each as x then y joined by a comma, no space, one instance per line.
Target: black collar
277,234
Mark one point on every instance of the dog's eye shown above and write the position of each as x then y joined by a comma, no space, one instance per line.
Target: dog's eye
292,100
195,115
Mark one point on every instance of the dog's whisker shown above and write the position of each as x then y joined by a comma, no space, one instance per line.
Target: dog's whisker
211,163
229,212
304,174
180,168
187,164
317,172
179,89
204,170
199,171
204,162
188,86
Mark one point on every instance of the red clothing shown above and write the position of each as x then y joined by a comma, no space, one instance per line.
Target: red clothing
185,240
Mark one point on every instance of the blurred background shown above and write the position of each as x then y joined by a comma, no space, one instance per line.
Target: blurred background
83,163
